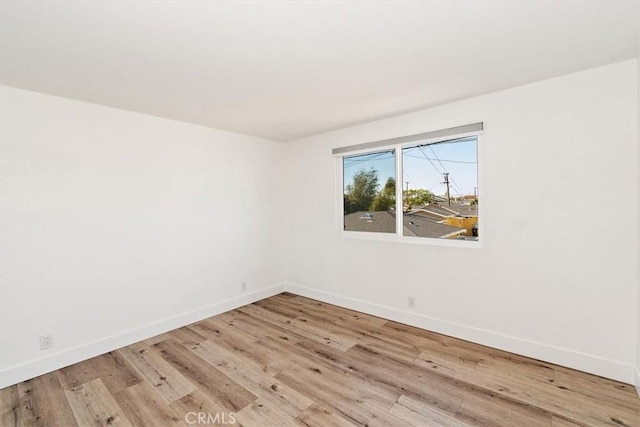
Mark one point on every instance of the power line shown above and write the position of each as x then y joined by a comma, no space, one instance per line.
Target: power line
449,179
444,160
434,153
455,185
432,164
373,158
443,173
376,157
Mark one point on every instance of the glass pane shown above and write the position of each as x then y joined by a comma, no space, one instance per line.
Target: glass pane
440,188
370,192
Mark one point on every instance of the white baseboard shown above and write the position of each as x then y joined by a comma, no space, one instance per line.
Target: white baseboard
583,362
18,373
559,356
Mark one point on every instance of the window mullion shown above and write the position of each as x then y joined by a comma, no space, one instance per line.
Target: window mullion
399,189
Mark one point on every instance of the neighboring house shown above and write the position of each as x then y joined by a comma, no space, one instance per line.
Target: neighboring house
414,225
376,222
457,215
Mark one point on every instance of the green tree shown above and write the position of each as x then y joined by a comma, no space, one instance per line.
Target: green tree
386,198
417,196
360,193
390,187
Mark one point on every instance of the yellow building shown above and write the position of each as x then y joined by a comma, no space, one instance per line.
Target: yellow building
466,222
456,215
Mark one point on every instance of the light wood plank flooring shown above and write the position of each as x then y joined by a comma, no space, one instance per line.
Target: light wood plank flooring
289,361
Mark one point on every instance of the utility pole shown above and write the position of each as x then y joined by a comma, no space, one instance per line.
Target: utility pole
475,193
446,182
407,182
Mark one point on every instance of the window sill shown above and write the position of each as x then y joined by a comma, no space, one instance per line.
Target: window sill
394,238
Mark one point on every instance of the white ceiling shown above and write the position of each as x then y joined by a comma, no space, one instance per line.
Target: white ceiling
285,70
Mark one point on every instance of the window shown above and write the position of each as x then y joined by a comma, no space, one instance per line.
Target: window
440,196
370,192
419,188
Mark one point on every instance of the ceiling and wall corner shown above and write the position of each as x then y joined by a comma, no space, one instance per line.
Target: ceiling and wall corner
286,70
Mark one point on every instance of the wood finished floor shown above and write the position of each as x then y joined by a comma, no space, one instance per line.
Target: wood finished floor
289,360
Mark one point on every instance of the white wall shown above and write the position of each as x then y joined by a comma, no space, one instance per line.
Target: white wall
117,226
557,276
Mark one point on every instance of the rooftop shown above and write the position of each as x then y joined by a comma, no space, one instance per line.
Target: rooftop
385,222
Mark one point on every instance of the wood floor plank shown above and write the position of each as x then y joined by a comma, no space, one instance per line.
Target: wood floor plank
331,381
9,399
361,320
186,336
278,308
196,403
229,326
293,308
421,338
349,401
222,334
301,327
249,356
560,422
441,393
156,339
43,402
324,334
418,414
10,410
260,413
488,409
143,407
253,324
371,336
319,311
219,387
165,379
517,382
114,371
317,416
333,370
290,360
12,418
271,391
328,312
397,376
264,314
93,404
77,374
604,389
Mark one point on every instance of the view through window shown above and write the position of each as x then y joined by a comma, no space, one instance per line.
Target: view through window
370,192
439,190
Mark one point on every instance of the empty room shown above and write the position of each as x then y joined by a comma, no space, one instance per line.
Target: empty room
322,213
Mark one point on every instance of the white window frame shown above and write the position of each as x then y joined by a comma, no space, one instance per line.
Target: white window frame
397,237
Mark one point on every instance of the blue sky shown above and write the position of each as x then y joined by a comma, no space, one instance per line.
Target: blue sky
424,165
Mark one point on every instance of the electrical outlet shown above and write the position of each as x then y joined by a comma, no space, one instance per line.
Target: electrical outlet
243,286
412,302
46,341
